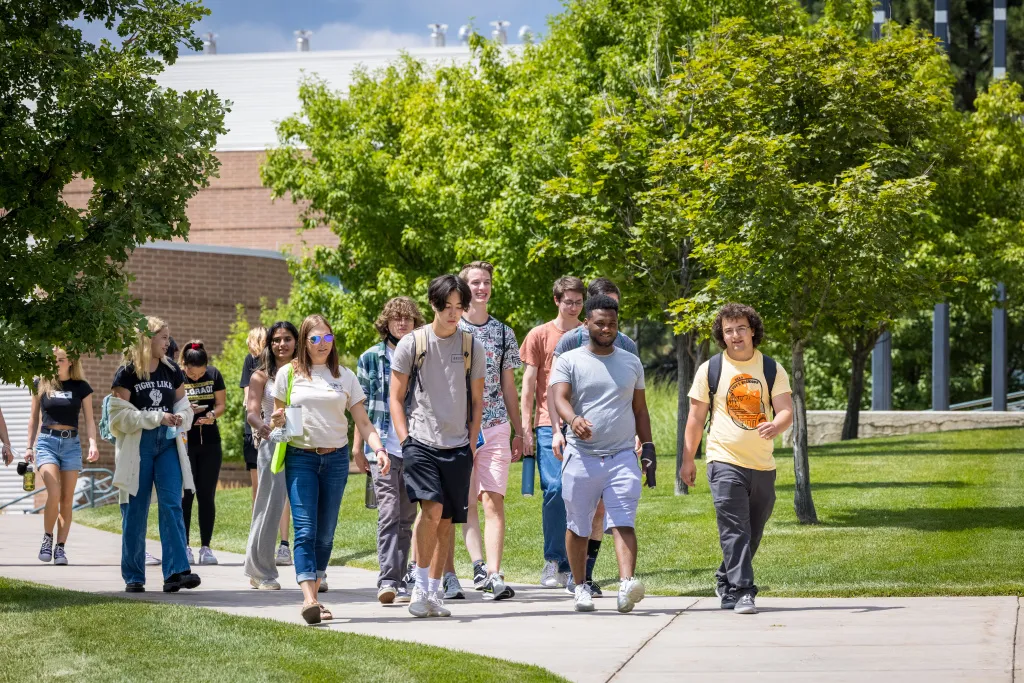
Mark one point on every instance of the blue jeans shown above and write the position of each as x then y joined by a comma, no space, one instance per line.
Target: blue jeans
158,464
553,507
316,484
65,453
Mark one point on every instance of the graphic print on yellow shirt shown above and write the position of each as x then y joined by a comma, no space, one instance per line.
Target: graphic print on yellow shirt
741,404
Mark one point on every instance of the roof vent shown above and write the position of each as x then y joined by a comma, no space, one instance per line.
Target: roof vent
525,34
302,40
437,34
209,43
500,32
465,31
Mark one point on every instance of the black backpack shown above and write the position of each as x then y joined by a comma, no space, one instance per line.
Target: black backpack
768,365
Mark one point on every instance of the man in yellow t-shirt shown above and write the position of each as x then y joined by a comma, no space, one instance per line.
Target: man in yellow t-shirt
750,388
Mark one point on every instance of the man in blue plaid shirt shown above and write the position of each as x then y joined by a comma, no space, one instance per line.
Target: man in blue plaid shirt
395,512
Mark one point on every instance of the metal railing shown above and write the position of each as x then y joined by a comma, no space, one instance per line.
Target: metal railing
1013,401
99,492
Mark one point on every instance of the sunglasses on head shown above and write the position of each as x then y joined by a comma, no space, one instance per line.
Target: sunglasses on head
317,338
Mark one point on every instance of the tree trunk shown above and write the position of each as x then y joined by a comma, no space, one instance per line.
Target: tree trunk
851,423
802,501
689,356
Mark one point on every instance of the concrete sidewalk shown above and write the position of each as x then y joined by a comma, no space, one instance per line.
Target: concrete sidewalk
665,638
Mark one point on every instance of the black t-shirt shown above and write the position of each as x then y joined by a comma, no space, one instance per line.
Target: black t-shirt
248,367
62,406
201,393
155,393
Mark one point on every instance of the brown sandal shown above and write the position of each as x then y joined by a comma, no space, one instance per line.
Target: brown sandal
311,613
325,613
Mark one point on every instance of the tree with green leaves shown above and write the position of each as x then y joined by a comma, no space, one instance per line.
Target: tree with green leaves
71,109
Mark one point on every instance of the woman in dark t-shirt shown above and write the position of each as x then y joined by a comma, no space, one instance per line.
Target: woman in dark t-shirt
151,382
204,387
54,445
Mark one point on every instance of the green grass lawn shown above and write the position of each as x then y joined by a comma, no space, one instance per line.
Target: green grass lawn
935,514
55,634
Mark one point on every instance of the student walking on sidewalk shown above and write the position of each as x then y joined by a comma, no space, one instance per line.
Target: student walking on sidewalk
148,416
270,506
316,462
54,444
738,386
256,342
395,512
205,390
537,352
437,386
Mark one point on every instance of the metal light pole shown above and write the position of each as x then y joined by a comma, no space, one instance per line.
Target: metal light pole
940,317
882,13
999,359
942,22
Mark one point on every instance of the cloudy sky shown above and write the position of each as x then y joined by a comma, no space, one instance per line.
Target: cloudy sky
268,25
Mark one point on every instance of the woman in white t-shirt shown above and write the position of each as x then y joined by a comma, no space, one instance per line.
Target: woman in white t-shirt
316,462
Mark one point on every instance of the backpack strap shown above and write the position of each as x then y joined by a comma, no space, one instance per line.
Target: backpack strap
771,370
467,359
714,377
419,337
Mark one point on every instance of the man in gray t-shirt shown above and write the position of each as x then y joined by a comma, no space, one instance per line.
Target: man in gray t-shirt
598,392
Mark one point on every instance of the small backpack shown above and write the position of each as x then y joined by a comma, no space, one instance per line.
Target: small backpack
105,432
768,365
420,338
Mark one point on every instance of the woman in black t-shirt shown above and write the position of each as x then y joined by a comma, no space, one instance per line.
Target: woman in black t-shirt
205,390
152,383
54,445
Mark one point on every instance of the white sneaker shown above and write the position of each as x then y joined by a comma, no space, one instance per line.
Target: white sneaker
550,577
188,556
386,594
435,604
206,556
283,558
582,601
265,584
419,606
152,559
631,591
452,588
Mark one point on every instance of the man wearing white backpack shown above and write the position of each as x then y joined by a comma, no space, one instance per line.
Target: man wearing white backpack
436,399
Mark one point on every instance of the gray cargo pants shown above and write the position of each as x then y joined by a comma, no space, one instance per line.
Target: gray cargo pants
271,496
395,517
744,499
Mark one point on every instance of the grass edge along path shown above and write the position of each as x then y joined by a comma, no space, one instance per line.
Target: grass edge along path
57,634
924,514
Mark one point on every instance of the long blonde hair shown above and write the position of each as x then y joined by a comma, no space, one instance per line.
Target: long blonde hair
140,355
48,384
257,340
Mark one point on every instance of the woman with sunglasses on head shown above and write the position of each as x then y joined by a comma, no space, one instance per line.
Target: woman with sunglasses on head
270,506
206,391
54,445
316,462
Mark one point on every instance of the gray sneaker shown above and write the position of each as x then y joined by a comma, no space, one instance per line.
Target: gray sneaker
46,549
452,588
419,606
58,555
495,588
188,556
745,605
323,585
206,556
151,559
550,577
283,557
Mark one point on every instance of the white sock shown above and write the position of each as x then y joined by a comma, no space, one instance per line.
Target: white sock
422,575
434,585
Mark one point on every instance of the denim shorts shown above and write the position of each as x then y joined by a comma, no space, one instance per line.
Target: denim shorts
66,454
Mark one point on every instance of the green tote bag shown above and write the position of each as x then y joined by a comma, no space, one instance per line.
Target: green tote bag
277,464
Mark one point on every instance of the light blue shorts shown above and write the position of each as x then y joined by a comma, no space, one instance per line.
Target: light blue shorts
66,454
587,479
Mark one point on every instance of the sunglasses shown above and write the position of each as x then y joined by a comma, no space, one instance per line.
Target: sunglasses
316,338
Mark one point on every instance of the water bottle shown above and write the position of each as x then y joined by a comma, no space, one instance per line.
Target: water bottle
28,474
529,462
370,498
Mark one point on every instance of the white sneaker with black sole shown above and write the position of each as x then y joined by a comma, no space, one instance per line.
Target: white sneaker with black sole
495,588
631,591
452,587
582,601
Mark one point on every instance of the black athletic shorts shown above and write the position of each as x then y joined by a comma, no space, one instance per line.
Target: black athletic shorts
440,475
249,452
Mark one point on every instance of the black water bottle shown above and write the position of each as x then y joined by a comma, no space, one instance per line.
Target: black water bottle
370,498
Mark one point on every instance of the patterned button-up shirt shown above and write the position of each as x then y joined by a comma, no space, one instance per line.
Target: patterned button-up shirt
374,374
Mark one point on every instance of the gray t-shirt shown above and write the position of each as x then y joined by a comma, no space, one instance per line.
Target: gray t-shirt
601,391
580,337
437,414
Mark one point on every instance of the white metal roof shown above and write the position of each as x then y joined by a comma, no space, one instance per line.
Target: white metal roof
263,87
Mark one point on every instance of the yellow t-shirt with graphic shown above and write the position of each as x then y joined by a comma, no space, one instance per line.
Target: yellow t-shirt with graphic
741,404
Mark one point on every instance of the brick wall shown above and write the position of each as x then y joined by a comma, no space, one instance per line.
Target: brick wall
195,293
237,211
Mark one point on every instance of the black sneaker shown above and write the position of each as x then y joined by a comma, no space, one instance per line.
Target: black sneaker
479,576
410,576
134,588
176,582
595,590
727,596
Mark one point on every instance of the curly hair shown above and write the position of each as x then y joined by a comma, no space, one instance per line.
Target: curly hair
732,311
399,307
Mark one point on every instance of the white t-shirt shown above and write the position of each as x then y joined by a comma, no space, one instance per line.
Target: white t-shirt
392,445
324,400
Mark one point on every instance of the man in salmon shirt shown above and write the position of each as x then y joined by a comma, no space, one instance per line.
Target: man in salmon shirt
537,353
739,386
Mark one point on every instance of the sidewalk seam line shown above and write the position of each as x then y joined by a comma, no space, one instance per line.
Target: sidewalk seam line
1013,655
652,637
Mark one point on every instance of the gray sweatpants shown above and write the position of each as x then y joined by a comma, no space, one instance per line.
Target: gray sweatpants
271,496
744,499
395,517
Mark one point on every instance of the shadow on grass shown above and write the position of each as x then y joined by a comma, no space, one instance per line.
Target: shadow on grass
932,519
351,557
21,597
880,450
880,485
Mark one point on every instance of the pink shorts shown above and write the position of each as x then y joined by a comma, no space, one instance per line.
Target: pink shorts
490,469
